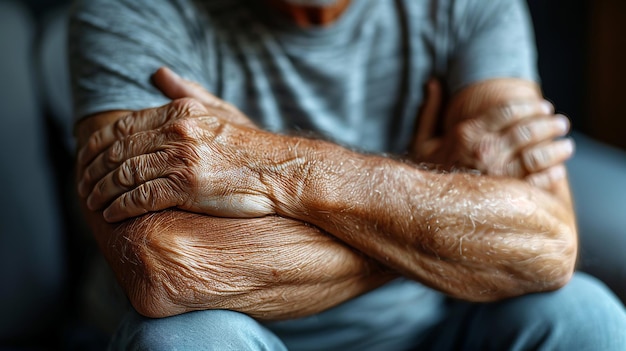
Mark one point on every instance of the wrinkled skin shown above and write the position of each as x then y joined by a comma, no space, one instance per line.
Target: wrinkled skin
186,154
200,154
196,161
477,238
520,140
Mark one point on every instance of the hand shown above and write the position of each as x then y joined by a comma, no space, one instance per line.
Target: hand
108,141
175,87
519,140
195,161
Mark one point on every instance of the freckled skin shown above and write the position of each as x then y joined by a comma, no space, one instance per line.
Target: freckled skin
475,237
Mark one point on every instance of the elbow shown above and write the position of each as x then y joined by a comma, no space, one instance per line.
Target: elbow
556,265
149,290
546,265
146,266
153,304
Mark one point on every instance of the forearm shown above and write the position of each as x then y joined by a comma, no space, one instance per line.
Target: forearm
270,268
474,237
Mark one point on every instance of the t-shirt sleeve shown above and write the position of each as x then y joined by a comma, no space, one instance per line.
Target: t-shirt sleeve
490,39
116,45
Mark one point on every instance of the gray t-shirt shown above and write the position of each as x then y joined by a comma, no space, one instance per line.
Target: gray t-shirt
358,82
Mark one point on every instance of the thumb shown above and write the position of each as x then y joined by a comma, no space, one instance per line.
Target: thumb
172,85
424,142
175,87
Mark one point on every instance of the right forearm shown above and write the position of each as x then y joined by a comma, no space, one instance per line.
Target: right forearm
270,268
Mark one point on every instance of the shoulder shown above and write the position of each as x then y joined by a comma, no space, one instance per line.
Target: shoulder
489,39
135,23
469,16
454,21
123,13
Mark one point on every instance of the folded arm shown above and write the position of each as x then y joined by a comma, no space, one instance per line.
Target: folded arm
173,261
477,237
474,237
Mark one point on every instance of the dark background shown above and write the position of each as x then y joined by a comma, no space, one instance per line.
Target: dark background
582,58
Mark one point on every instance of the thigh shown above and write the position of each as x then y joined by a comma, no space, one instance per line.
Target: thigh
202,330
584,315
598,180
393,317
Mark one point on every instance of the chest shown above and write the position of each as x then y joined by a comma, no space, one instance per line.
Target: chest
360,86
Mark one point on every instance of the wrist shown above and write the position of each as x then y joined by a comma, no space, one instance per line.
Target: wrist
300,177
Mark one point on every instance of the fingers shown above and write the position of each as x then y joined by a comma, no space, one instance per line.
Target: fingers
515,140
504,131
538,163
505,116
536,130
544,156
546,178
155,195
139,121
121,150
129,175
175,87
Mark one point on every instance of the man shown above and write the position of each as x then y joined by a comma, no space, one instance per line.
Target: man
229,232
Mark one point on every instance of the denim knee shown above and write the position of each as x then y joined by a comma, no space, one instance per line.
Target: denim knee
200,330
584,315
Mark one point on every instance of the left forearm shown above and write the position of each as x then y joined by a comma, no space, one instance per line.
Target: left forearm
474,237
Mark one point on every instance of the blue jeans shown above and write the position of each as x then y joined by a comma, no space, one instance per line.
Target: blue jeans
584,315
597,173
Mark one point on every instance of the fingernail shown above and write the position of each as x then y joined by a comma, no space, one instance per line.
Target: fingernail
557,173
547,107
568,146
562,123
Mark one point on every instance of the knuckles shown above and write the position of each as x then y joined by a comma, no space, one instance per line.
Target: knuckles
533,159
185,107
115,154
129,174
522,134
506,112
141,197
93,145
123,127
183,129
